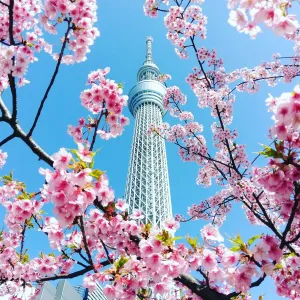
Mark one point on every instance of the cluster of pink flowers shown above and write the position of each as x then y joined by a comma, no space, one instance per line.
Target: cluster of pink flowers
151,7
286,109
104,98
173,95
274,14
19,47
77,131
70,186
183,24
3,157
80,17
163,77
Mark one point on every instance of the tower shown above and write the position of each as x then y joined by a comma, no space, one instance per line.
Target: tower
147,187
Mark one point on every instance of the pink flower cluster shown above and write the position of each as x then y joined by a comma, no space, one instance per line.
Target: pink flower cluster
163,77
151,7
71,188
274,14
3,157
104,98
80,17
184,24
286,109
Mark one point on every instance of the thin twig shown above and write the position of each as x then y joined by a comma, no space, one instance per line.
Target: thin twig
38,114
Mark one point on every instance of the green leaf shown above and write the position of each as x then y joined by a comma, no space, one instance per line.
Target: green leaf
74,151
7,178
192,242
253,239
96,174
238,243
165,238
121,262
269,152
176,238
235,248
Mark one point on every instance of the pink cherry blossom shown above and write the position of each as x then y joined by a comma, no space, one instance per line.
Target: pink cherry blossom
3,157
211,233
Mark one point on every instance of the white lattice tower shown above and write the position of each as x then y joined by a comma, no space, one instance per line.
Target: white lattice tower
147,186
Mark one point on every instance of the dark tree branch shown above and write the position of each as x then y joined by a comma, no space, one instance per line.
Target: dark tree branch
199,289
290,220
67,276
95,131
5,4
19,133
11,22
81,226
7,139
23,240
74,274
38,114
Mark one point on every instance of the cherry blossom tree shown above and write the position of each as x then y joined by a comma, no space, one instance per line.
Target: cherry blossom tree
91,232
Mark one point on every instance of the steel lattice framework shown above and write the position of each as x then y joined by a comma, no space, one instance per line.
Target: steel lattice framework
147,186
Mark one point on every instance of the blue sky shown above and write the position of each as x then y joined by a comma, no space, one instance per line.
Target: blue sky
121,46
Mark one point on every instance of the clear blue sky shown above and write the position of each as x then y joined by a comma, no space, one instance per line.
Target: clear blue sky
121,46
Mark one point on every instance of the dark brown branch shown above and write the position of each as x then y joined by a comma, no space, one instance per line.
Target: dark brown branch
11,22
7,139
199,289
67,276
19,133
74,274
63,251
95,131
38,114
81,226
22,240
106,251
5,4
290,220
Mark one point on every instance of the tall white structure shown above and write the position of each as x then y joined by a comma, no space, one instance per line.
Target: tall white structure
147,186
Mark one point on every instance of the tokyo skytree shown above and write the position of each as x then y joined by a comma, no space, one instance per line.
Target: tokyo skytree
147,187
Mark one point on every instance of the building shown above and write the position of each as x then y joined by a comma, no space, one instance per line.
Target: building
147,187
65,291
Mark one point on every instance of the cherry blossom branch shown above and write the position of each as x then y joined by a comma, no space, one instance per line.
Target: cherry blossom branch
291,218
5,4
74,274
63,251
7,139
199,289
67,276
95,131
209,156
81,226
227,143
11,21
81,255
22,240
19,133
258,79
52,78
106,251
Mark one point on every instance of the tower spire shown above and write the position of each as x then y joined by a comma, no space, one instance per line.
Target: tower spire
149,42
149,70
